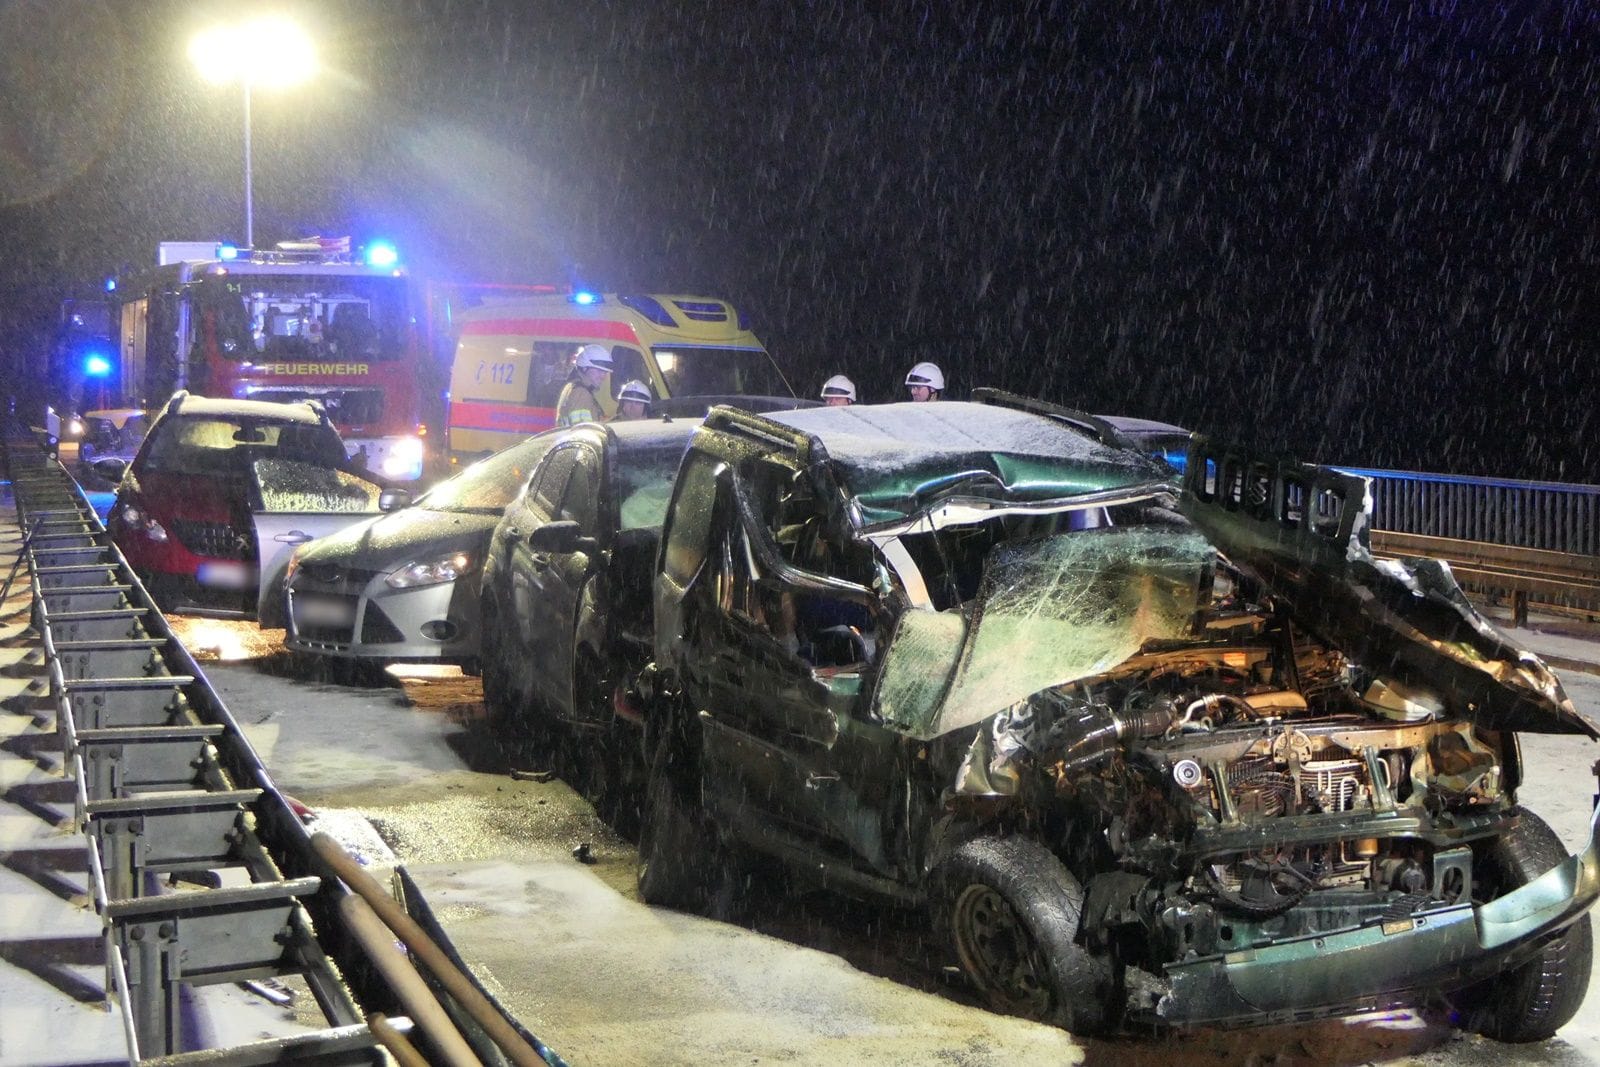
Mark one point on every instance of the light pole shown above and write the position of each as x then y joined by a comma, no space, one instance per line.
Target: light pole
266,52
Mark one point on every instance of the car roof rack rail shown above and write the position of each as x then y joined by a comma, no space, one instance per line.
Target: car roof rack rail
1093,424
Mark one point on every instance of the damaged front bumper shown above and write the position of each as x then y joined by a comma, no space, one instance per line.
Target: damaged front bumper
1381,965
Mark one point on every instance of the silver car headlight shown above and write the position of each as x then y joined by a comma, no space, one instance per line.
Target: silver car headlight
430,572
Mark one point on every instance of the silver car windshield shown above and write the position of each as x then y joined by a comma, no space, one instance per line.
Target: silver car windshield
488,485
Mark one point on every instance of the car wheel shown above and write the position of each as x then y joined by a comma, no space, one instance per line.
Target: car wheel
1011,911
674,845
1534,1000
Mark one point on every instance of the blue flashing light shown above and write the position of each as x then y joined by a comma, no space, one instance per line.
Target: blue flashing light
111,285
382,254
227,252
584,297
96,366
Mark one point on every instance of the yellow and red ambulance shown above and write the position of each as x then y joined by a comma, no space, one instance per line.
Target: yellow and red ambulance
512,359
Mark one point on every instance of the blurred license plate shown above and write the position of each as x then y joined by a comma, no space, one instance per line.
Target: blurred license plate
324,612
226,575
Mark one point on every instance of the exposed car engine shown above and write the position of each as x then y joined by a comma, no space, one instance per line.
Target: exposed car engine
1255,783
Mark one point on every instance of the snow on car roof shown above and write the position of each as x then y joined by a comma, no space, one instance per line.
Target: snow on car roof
247,409
652,433
894,457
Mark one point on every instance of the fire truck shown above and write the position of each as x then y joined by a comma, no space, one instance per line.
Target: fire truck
307,320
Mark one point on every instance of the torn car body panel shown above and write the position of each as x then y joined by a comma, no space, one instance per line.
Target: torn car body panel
1302,532
1383,964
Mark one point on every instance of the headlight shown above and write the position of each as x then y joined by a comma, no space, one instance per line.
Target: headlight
75,428
431,572
404,459
137,518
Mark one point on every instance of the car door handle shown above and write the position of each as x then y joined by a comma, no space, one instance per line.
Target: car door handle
817,781
293,537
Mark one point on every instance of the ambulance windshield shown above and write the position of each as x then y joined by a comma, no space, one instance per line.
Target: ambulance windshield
693,370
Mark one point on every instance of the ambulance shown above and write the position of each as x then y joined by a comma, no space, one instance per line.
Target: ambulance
512,359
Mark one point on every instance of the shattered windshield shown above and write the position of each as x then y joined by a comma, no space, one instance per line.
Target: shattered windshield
1047,611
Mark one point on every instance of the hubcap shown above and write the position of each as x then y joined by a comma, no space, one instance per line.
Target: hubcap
997,950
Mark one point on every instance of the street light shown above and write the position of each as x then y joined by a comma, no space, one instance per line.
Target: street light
272,53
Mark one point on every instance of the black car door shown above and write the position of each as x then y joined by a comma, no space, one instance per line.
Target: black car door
525,569
560,578
790,766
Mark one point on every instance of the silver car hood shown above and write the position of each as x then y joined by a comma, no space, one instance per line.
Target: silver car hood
387,541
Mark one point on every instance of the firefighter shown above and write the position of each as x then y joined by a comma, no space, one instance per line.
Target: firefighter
838,392
633,401
579,402
925,382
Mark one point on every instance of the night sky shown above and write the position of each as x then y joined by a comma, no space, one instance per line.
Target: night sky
1364,232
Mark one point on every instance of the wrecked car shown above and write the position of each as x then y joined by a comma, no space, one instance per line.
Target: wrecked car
1151,754
218,494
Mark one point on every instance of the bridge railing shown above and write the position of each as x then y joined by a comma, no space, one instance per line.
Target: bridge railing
1555,516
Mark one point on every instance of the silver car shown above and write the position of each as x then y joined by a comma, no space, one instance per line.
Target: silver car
386,590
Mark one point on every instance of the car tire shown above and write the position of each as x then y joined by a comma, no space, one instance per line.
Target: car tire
674,843
1011,910
1534,1000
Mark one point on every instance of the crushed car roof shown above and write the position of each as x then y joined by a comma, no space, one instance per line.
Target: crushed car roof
894,458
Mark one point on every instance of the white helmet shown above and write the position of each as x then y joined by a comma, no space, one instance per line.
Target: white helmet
594,357
634,390
839,385
926,374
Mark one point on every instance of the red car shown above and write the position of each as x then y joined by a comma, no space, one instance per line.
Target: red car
185,509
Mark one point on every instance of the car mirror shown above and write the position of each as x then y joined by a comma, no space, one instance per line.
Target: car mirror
564,535
111,468
394,500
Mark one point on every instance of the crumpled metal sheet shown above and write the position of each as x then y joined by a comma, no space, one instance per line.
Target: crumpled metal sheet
1403,619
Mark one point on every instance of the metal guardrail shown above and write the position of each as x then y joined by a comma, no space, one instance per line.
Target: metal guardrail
1553,516
202,873
1529,542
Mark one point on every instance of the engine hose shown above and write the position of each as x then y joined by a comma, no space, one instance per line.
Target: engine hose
1257,908
1095,731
